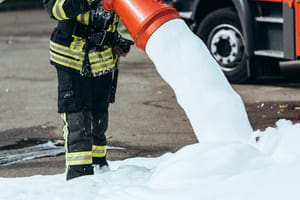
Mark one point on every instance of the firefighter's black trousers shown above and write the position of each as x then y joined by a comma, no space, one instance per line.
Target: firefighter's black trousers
83,103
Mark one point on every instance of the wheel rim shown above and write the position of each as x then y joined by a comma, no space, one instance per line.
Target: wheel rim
226,44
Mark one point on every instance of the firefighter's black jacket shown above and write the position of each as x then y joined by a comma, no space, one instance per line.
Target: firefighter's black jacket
69,45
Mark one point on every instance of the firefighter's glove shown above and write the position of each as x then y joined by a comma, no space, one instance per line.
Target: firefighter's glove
101,19
122,45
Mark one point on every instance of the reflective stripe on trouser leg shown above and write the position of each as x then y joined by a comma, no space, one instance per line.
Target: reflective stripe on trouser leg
99,151
78,138
79,158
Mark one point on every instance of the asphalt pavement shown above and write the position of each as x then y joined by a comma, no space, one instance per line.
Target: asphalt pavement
145,120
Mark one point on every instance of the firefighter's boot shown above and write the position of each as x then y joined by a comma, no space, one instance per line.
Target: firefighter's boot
79,170
101,166
101,162
79,142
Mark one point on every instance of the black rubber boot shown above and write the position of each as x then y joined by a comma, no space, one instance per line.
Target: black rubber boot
100,165
101,162
79,170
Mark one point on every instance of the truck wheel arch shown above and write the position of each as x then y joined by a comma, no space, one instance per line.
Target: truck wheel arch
244,11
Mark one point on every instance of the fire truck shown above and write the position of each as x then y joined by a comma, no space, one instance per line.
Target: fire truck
246,37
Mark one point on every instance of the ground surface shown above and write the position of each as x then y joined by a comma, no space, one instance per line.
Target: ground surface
145,120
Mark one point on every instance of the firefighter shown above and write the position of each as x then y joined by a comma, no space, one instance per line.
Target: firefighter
84,48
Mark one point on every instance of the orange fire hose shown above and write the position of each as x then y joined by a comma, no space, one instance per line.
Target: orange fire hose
141,17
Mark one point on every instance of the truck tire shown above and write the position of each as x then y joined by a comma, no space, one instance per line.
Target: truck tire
222,33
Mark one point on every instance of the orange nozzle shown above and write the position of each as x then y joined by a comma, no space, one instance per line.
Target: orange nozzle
108,5
141,17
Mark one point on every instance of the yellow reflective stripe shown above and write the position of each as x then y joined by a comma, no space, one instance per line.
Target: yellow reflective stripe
96,148
99,151
54,10
61,46
79,158
100,56
113,26
72,61
87,18
65,61
90,1
79,154
79,18
103,58
58,11
83,18
102,52
102,68
73,44
77,54
103,64
81,44
76,46
79,162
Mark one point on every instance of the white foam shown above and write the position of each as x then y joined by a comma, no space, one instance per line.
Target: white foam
215,110
210,171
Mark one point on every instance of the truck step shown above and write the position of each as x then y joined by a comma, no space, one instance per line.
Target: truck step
276,20
270,53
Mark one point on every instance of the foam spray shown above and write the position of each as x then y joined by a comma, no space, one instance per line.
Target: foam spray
215,110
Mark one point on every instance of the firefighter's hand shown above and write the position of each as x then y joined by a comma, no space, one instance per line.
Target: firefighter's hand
122,46
101,18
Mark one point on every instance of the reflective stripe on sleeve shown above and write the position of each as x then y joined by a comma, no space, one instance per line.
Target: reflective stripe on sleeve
113,26
90,1
83,18
58,11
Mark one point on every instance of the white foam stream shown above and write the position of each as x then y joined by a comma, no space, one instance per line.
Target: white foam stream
215,110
